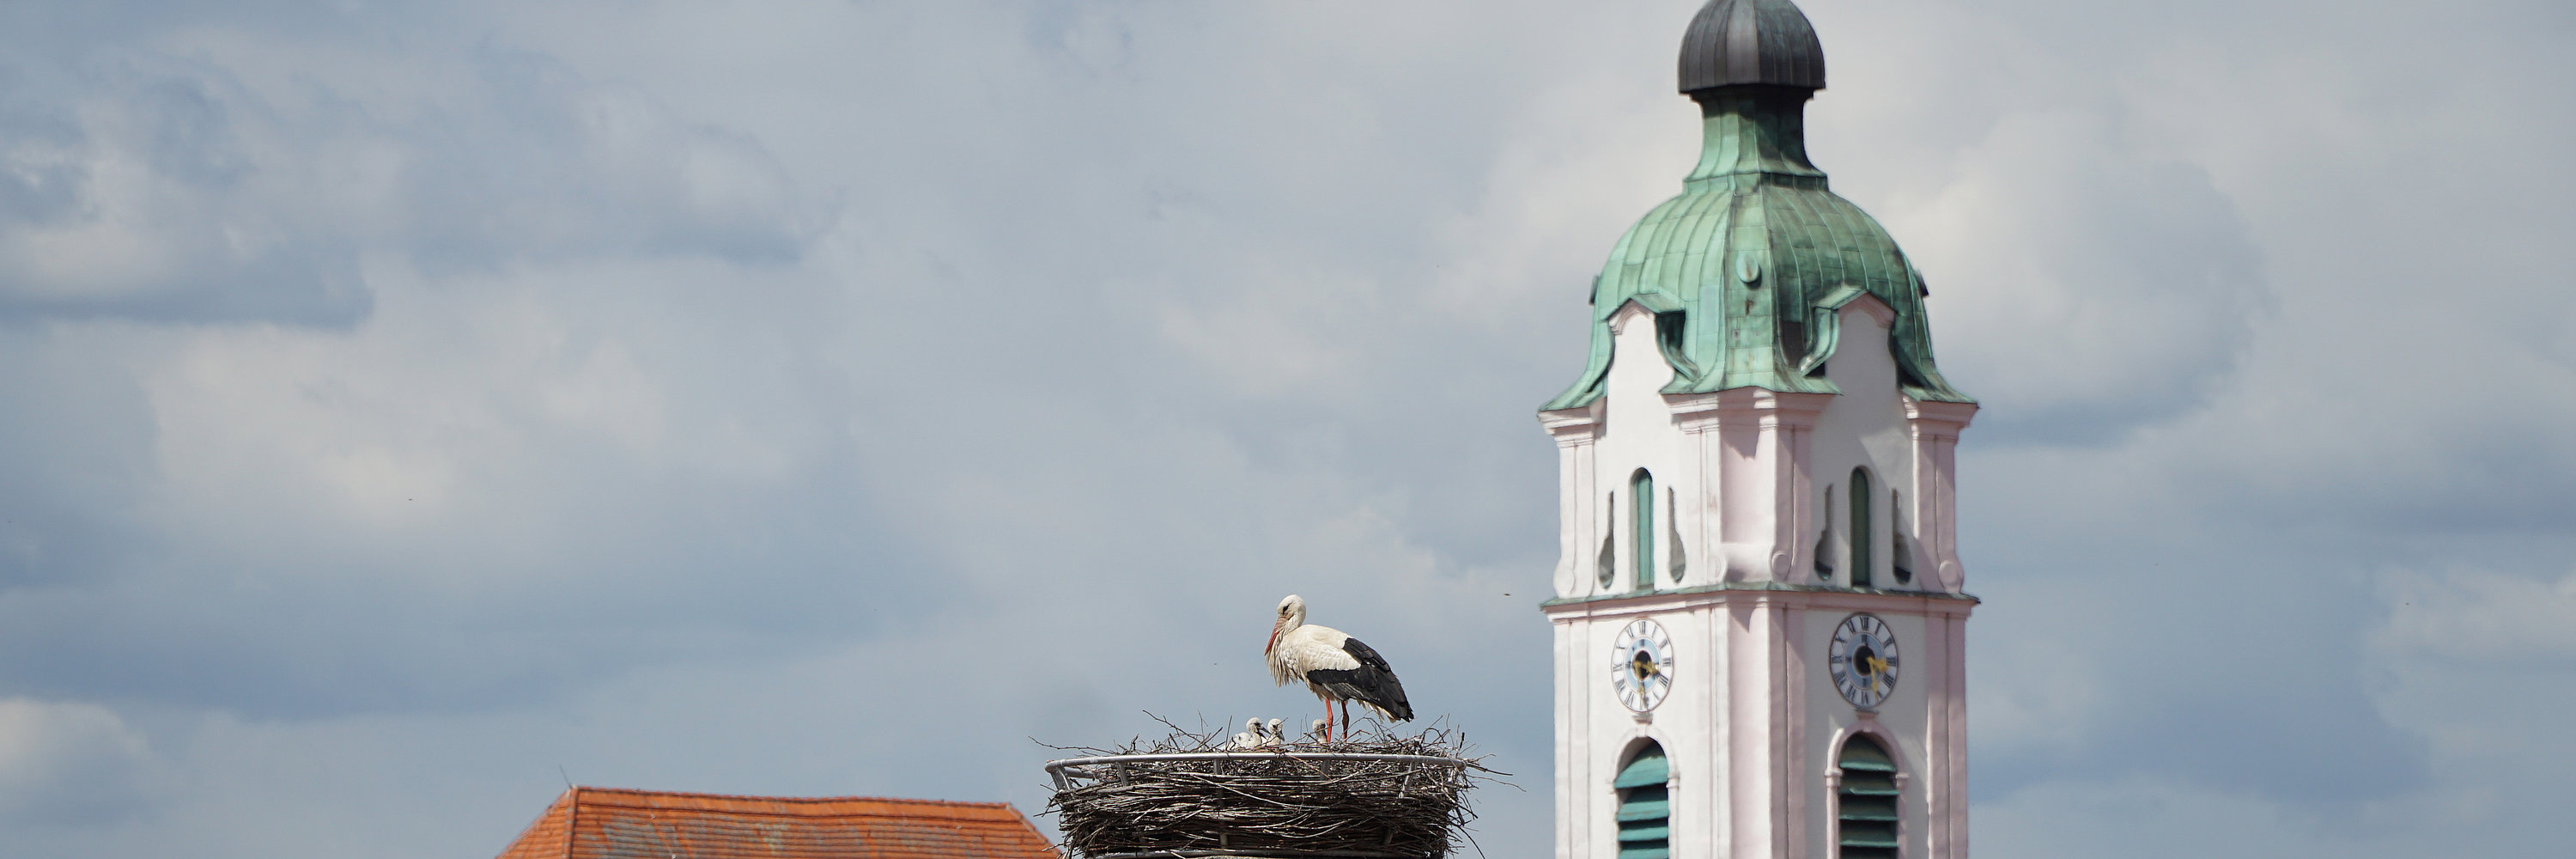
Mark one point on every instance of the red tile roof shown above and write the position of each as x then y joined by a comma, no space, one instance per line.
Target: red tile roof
606,823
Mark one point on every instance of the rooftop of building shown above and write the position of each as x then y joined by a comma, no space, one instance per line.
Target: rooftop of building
611,823
1747,269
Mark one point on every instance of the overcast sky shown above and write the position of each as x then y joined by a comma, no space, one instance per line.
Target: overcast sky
407,407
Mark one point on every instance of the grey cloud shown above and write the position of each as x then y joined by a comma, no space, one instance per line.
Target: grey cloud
824,399
74,469
376,532
557,165
127,200
43,180
2479,617
163,186
2118,664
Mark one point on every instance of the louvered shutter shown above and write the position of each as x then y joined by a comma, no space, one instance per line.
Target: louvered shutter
1645,806
1868,800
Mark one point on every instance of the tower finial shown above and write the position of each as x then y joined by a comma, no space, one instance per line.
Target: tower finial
1757,42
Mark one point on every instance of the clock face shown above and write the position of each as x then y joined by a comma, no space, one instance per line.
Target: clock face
1862,660
1641,665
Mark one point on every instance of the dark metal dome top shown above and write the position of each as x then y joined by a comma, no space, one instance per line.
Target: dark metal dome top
1735,42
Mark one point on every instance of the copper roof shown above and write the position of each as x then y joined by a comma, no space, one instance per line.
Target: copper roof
607,823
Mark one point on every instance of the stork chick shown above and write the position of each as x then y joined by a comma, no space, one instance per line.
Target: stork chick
1251,736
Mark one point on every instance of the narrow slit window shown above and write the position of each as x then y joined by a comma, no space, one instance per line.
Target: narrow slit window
1900,551
1673,516
1860,528
1607,568
1645,806
1866,803
1641,510
1825,539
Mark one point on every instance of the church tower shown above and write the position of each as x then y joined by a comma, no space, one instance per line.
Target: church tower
1759,621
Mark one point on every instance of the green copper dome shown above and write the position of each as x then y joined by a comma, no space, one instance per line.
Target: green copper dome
1747,268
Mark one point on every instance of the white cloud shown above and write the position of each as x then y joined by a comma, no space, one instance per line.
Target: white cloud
2104,288
70,764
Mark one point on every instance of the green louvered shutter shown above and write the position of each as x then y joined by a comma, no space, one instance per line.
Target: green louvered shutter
1645,806
1868,800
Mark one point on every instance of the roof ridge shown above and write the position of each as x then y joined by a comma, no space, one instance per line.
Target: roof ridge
743,796
623,821
572,817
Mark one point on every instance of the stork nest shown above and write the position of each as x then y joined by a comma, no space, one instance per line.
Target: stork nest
1292,800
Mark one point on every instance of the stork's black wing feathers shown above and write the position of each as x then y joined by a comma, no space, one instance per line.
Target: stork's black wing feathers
1367,656
1373,683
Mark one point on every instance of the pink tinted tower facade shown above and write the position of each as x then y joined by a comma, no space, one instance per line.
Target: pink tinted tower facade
1759,612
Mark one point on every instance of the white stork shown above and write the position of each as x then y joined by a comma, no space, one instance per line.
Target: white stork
1334,665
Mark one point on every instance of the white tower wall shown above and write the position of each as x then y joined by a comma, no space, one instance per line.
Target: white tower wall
1752,724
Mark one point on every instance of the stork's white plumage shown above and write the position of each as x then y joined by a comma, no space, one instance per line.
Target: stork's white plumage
1335,666
1275,737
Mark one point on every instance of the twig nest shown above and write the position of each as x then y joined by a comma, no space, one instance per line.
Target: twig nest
1370,798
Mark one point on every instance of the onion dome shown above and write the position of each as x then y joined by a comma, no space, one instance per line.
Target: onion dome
1736,42
1748,269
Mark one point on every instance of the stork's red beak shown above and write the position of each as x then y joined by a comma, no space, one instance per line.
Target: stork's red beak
1274,639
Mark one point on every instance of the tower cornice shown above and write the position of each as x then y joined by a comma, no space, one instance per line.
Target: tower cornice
1934,417
1572,426
1565,609
1765,408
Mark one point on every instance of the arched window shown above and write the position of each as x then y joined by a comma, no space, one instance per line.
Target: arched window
1641,513
1860,530
1645,806
1867,801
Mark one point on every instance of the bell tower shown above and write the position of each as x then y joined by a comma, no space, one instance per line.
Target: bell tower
1759,618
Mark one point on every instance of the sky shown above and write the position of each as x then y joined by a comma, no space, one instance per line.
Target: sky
410,408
